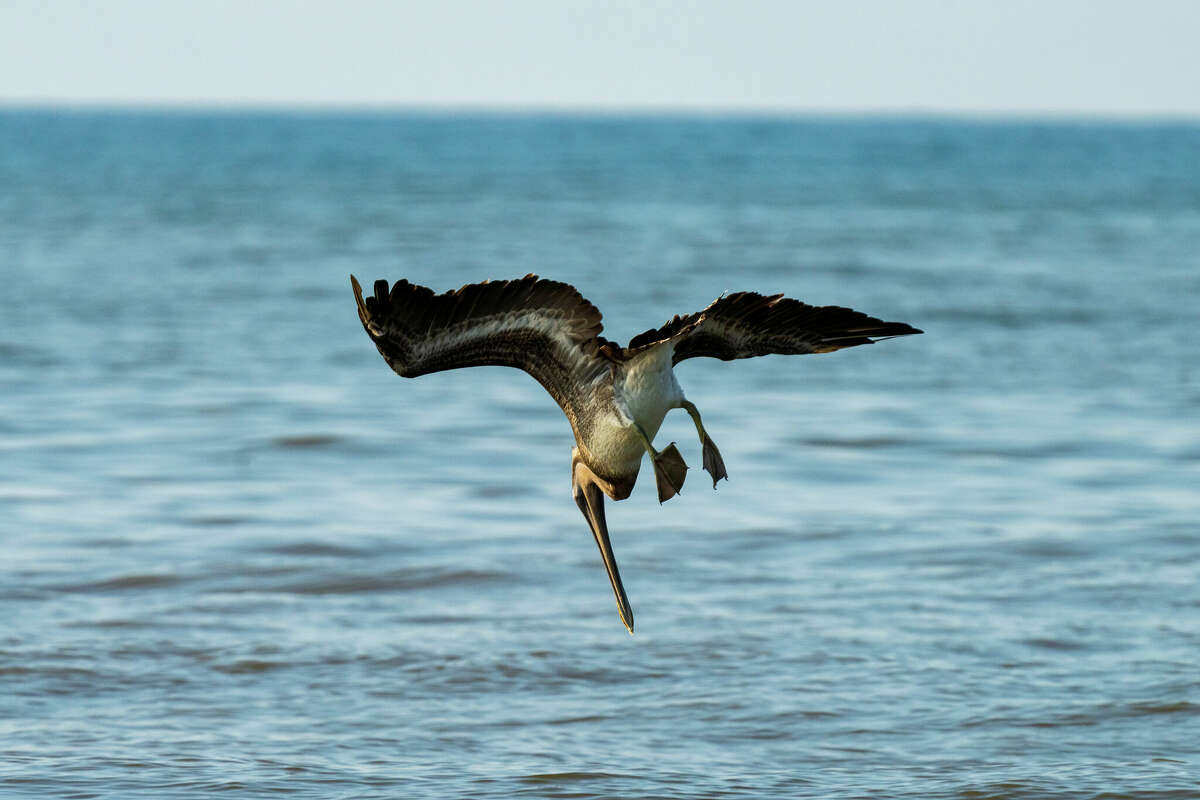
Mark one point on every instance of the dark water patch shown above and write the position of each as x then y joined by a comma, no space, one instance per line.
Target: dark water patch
312,548
1054,549
307,441
117,624
105,542
1061,645
415,661
443,619
122,583
48,671
15,354
502,491
1181,707
1105,480
249,666
1014,318
1013,790
1103,713
232,408
855,443
1038,451
1175,535
571,777
969,556
606,674
218,520
255,571
590,718
402,580
455,674
313,292
763,538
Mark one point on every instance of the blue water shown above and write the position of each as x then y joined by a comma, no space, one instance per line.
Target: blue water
240,556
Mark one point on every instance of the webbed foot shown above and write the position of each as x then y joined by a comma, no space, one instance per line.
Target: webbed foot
669,472
713,462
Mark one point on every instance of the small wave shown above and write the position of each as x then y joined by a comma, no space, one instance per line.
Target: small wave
1152,709
118,623
246,666
402,580
57,673
561,777
124,583
500,491
306,441
315,292
1013,318
1055,644
311,548
217,520
26,355
1046,450
1106,712
857,443
578,720
442,619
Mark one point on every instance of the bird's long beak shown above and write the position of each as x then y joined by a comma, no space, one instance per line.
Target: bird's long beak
590,500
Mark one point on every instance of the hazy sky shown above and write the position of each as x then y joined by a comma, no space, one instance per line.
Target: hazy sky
1056,56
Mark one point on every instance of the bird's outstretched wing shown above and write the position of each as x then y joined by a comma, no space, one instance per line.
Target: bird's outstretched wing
747,324
543,327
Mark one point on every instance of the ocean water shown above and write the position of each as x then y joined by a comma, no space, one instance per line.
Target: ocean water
240,557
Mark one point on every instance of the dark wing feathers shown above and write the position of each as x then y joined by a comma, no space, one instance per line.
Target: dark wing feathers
549,330
678,326
747,324
543,327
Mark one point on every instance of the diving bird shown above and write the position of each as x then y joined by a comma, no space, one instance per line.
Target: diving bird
615,397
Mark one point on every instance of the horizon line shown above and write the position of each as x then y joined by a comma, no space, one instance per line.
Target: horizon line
160,105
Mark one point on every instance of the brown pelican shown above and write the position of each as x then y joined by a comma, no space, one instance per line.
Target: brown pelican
615,397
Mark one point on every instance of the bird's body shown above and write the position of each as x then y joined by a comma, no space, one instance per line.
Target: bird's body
614,397
641,390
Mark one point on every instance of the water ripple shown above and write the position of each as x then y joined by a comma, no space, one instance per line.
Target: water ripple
397,580
242,557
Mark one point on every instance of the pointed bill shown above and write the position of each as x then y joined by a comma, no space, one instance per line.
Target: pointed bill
590,500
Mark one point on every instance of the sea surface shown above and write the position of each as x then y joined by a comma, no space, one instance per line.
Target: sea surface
240,557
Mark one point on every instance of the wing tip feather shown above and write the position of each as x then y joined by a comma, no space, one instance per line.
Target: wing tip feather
400,319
